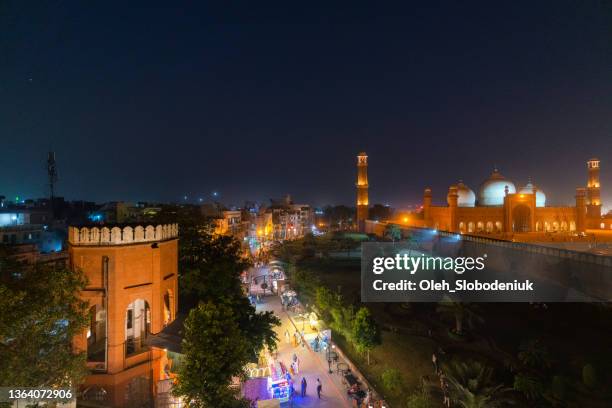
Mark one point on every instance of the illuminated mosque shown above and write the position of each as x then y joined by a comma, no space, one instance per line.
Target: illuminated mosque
500,207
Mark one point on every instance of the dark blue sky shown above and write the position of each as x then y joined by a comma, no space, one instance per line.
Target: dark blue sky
153,102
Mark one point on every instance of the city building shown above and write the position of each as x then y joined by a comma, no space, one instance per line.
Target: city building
133,293
501,207
288,220
230,223
30,226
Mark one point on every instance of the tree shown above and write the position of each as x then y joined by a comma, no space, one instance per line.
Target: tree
342,320
462,312
380,212
366,334
215,350
212,266
393,232
471,385
339,216
41,312
325,300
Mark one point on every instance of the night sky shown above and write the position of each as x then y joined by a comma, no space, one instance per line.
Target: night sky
155,102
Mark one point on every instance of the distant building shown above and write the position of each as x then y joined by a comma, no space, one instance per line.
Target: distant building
362,190
288,220
499,207
29,226
229,222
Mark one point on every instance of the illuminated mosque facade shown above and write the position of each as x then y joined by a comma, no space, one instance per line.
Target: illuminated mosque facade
501,207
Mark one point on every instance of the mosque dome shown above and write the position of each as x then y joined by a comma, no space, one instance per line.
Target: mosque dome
540,196
493,190
465,196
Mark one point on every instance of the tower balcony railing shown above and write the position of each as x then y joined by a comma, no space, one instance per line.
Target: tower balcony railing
116,235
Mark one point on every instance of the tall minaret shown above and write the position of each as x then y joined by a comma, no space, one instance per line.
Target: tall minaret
593,194
362,190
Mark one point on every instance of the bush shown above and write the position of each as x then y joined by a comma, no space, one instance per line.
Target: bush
392,380
589,376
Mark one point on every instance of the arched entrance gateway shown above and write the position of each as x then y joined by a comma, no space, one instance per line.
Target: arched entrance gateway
521,218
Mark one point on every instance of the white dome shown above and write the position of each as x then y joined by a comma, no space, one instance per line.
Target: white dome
493,190
465,196
540,196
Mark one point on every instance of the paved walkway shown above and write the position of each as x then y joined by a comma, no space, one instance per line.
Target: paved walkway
312,365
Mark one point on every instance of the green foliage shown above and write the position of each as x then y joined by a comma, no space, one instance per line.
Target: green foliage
41,312
302,280
393,232
342,321
420,400
589,376
365,332
223,332
211,265
325,301
471,385
392,380
529,385
215,350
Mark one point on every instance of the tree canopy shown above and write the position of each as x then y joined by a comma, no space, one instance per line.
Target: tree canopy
215,350
366,334
41,313
223,331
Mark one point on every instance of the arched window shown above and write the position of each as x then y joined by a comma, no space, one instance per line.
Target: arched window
96,334
572,226
498,226
470,226
555,225
137,326
602,225
546,226
538,226
489,226
462,226
480,226
563,225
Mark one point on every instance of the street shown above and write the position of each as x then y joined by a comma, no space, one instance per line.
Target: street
313,365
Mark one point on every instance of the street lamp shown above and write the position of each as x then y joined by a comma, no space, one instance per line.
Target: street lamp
329,356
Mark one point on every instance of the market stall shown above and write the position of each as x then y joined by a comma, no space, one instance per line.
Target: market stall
279,381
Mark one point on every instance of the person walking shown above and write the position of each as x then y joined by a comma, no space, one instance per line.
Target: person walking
287,336
434,361
304,385
319,388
